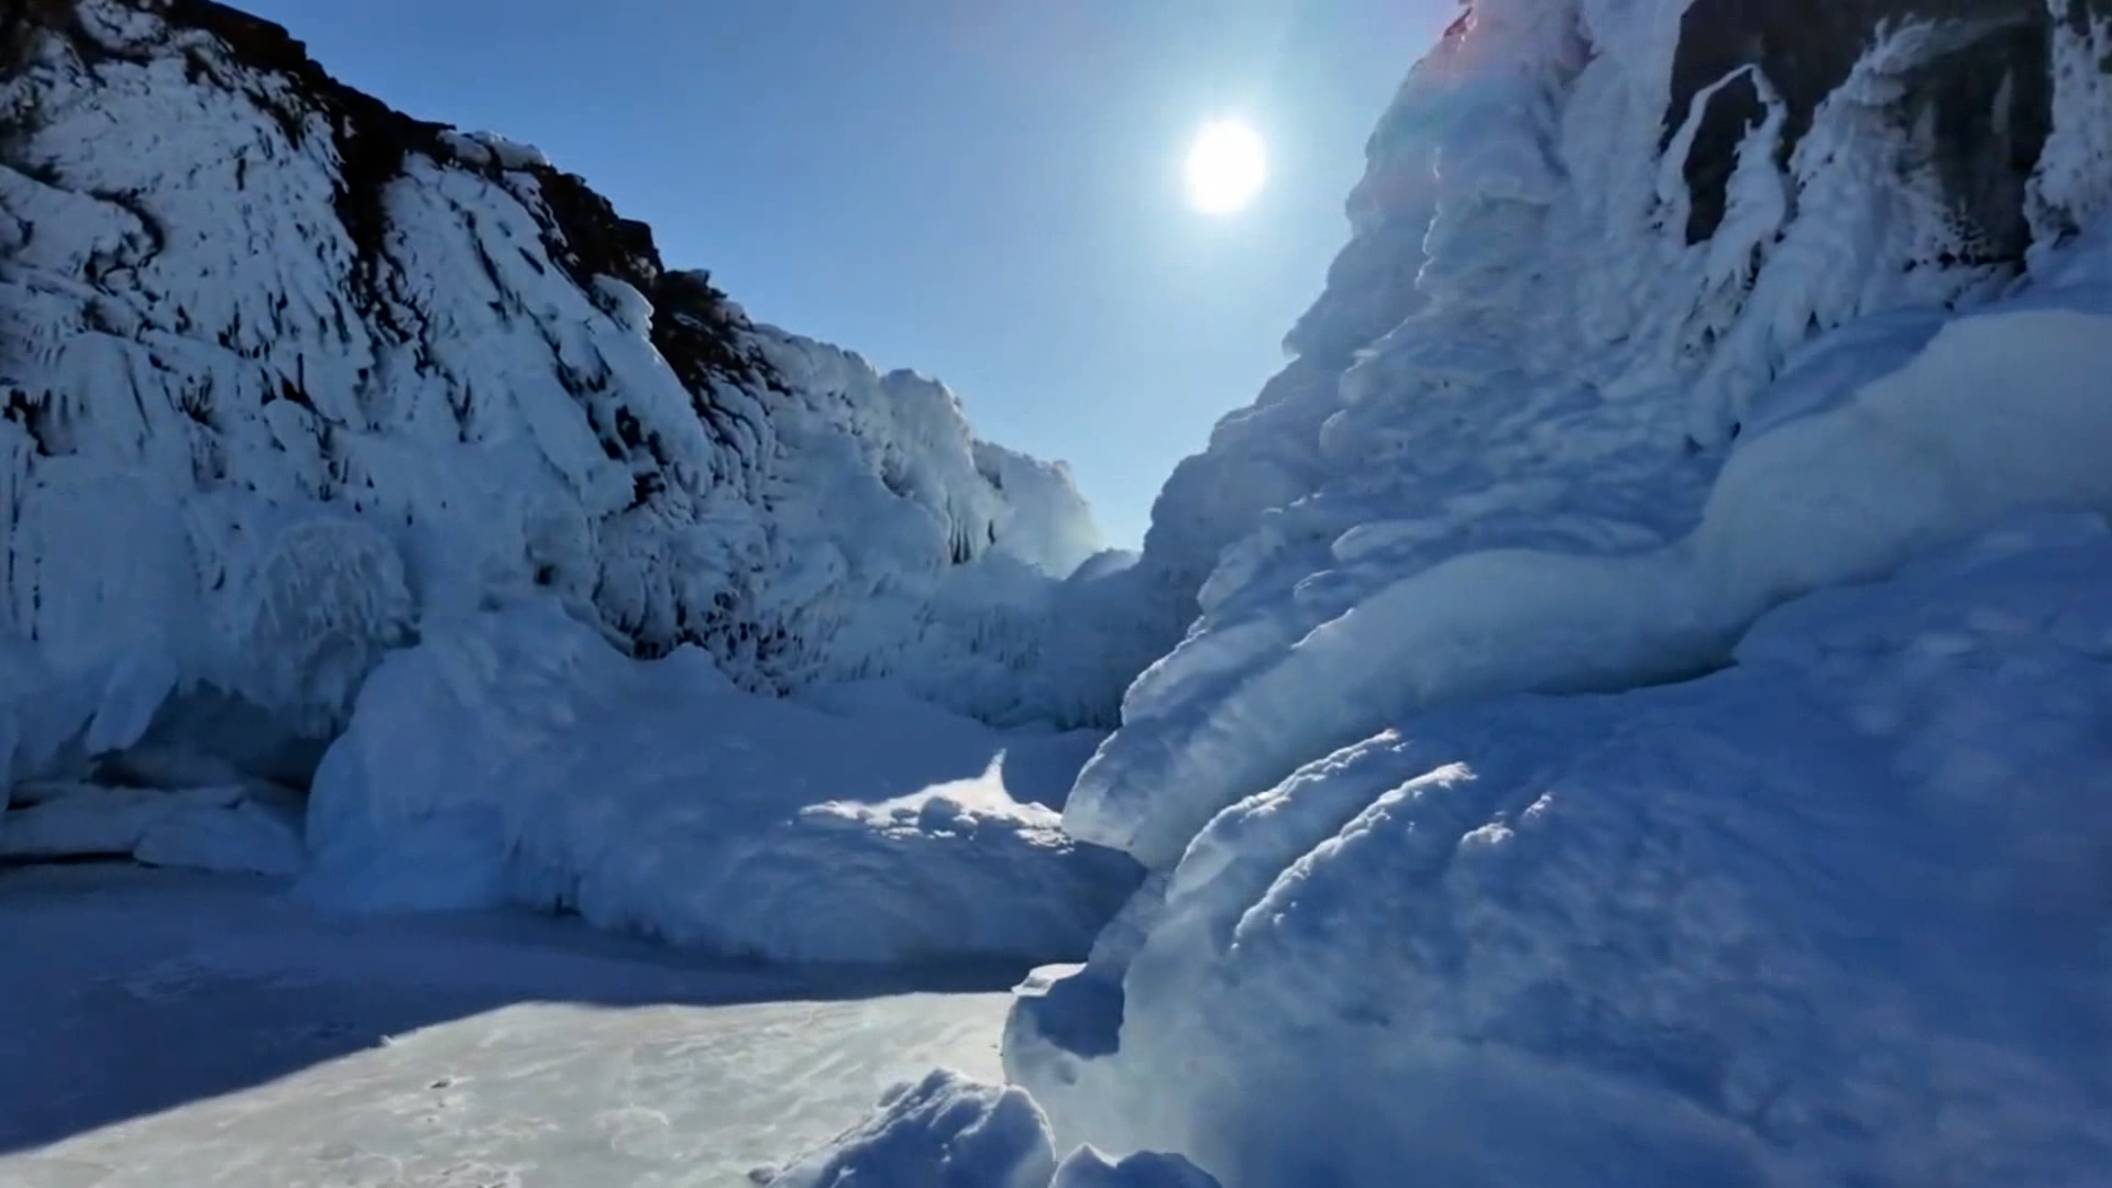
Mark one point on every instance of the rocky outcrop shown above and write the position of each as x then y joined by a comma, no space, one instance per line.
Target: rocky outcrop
1980,100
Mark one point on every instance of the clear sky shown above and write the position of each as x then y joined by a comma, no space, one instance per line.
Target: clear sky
988,191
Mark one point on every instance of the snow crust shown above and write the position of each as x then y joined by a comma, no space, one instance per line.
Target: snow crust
1829,914
514,757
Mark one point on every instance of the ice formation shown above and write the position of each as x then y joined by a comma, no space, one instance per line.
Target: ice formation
285,373
1825,915
516,758
314,413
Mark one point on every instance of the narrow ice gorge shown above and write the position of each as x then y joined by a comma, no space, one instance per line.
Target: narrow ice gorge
1627,703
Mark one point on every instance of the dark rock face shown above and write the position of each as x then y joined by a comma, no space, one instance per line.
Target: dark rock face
1984,95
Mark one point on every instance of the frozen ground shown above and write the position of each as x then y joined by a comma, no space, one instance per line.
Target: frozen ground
171,1029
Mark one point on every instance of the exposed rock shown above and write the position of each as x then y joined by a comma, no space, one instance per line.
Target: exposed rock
1982,98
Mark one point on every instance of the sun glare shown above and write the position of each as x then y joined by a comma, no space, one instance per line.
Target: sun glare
1226,167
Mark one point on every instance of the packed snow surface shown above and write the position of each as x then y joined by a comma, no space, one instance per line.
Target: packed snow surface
515,757
172,1029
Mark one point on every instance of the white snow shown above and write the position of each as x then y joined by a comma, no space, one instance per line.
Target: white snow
1494,464
1824,916
515,757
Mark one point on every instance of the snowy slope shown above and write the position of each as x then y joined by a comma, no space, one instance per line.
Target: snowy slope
285,373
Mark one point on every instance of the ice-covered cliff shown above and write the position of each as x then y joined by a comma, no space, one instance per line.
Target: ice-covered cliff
287,374
1602,249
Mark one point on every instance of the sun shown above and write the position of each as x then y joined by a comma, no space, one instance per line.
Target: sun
1226,167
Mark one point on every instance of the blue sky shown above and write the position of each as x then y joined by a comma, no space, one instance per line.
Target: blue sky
988,191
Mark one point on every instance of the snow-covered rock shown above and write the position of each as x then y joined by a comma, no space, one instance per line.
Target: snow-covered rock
1569,308
1831,915
516,758
947,1131
284,373
942,1132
